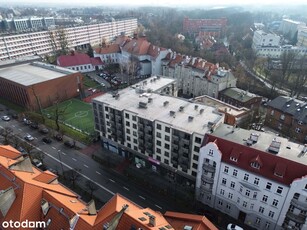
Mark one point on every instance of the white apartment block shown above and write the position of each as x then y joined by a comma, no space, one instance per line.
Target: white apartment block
255,177
27,44
263,39
290,27
147,123
302,37
276,52
196,77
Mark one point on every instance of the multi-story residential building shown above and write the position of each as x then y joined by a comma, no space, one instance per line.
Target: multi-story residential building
32,198
263,39
196,76
26,24
108,54
208,27
302,37
145,123
79,62
240,98
255,177
232,114
288,116
289,27
276,52
37,85
44,42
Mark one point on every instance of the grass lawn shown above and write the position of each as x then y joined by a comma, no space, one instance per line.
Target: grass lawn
89,83
77,114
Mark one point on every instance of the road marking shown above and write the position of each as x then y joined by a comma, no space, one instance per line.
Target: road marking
39,149
74,159
126,188
112,180
143,198
64,153
53,147
158,206
98,173
20,129
85,166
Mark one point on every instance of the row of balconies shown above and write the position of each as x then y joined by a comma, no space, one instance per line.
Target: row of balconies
302,205
298,218
208,167
207,179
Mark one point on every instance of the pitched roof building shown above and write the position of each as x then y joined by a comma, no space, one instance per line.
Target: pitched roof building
28,194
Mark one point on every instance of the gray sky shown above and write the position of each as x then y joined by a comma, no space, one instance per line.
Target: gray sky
157,2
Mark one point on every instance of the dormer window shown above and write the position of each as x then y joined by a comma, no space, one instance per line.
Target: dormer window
233,159
255,165
282,117
300,122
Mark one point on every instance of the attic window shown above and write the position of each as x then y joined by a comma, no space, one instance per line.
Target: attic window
142,218
233,159
255,165
169,227
147,213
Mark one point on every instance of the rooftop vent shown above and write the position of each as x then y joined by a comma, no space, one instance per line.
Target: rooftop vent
196,107
142,105
165,103
152,221
190,118
181,109
201,111
172,113
275,146
304,149
187,227
252,139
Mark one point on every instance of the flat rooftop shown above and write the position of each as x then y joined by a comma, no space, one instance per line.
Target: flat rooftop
288,150
33,73
193,117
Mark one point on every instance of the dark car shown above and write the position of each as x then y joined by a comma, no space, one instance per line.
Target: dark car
15,116
34,125
44,130
58,137
47,140
69,144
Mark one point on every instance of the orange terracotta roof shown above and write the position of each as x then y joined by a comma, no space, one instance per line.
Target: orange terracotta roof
109,49
137,46
45,177
9,152
180,220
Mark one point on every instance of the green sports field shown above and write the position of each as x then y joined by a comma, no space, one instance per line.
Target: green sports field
74,113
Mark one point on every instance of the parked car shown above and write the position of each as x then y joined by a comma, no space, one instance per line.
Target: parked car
6,118
28,137
47,140
34,125
37,163
27,121
58,137
44,130
69,144
15,116
234,227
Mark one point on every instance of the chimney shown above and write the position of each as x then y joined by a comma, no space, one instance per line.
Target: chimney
152,220
91,208
135,35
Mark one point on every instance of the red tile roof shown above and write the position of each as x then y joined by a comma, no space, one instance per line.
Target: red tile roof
96,61
74,59
290,170
109,49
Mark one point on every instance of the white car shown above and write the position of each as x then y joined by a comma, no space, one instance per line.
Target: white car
37,163
28,137
6,118
234,227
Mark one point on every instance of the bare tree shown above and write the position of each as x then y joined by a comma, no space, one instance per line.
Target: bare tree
61,35
91,186
6,133
53,41
37,155
133,66
287,61
299,79
73,175
58,112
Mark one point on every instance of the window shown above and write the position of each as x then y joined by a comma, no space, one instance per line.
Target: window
255,165
210,152
265,198
159,126
134,118
261,209
252,206
166,154
246,177
228,206
267,225
233,159
167,138
127,115
166,146
268,186
256,181
224,181
258,220
134,126
158,134
134,133
158,158
238,200
220,202
158,150
222,192
198,140
158,143
247,192
127,123
298,130
135,141
275,202
235,172
167,129
279,190
195,157
226,169
244,204
255,195
196,149
128,131
232,184
282,117
241,188
166,162
230,195
272,112
194,166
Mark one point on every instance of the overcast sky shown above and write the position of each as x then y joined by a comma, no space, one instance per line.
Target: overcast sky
73,3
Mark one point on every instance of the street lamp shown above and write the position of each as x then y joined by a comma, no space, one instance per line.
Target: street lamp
61,163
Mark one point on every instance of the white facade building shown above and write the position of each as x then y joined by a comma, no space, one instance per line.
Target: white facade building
276,52
302,37
145,122
290,27
262,38
255,177
13,46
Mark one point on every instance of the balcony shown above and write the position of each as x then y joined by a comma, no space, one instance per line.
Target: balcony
206,188
208,167
302,205
186,142
141,133
175,146
148,128
206,179
175,154
175,138
298,218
